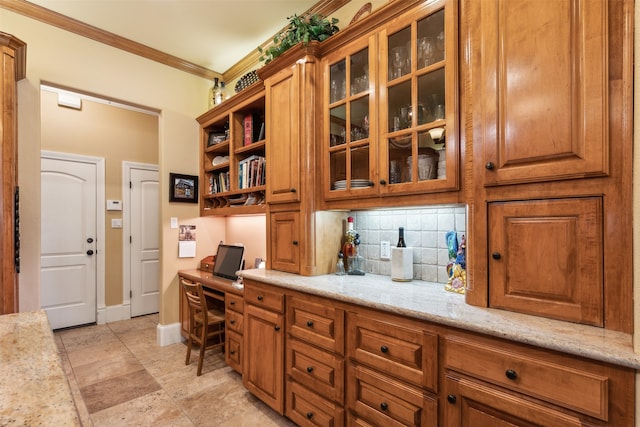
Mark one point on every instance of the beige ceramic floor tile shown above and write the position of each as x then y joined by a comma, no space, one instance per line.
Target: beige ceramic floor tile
154,409
79,338
114,391
92,354
108,367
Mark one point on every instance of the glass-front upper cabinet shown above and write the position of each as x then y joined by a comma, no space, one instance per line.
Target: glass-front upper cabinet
350,121
418,122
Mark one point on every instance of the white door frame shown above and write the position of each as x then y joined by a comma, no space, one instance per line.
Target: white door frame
99,162
126,216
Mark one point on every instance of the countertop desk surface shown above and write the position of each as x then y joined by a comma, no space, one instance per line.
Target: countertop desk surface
211,282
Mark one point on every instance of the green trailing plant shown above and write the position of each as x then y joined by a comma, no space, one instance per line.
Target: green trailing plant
301,29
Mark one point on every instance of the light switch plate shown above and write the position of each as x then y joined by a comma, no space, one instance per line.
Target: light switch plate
174,222
385,250
116,223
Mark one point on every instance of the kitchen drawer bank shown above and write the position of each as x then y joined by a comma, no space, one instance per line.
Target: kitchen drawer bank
430,302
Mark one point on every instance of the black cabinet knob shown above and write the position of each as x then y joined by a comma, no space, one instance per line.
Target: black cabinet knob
496,255
277,328
511,374
293,190
384,349
310,323
309,369
233,322
260,297
490,166
384,406
309,415
232,303
232,352
383,182
295,243
451,398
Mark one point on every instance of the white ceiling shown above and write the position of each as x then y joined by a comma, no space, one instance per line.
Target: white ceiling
214,34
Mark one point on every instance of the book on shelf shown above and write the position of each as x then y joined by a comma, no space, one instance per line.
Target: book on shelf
250,171
253,125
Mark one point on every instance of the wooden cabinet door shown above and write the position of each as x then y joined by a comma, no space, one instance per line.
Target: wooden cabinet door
284,244
538,89
547,257
283,135
263,369
470,404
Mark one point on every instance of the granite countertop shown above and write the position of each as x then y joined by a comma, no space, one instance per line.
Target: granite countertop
33,387
429,301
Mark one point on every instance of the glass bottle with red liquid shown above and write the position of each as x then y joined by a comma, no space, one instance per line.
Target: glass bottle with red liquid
349,247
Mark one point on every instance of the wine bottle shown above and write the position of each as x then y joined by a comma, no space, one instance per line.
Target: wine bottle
212,93
401,243
349,249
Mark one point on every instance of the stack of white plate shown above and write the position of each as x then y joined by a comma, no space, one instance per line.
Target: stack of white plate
355,183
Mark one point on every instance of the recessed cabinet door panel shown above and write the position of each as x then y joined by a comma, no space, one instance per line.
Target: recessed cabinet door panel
285,248
283,134
540,82
561,275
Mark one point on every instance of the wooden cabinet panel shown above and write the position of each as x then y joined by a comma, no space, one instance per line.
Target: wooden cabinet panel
306,408
566,386
540,89
317,323
547,258
316,369
233,350
284,241
403,350
470,404
385,401
264,297
234,302
263,369
283,133
234,321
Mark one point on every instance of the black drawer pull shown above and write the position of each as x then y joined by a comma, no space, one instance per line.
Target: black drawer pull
451,399
490,166
309,415
383,182
232,352
310,323
384,406
511,374
232,303
295,243
233,322
277,328
384,349
260,297
309,369
496,255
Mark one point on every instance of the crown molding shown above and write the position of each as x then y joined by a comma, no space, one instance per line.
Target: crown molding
55,19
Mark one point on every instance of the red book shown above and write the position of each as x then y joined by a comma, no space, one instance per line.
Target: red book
248,129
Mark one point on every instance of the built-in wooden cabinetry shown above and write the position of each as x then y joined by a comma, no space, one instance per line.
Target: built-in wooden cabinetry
13,69
233,155
263,368
488,379
314,361
391,108
346,364
547,100
234,330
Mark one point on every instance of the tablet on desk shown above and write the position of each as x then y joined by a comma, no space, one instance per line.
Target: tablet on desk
228,261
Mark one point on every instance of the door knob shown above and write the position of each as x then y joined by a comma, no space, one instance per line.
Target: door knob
90,240
90,252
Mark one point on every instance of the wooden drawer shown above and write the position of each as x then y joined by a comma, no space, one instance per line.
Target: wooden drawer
306,408
531,373
234,302
233,350
234,321
318,370
316,323
384,401
395,346
264,297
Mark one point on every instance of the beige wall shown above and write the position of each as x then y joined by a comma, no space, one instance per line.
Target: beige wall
115,134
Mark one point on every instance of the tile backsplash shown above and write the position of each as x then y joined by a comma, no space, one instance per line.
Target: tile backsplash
425,229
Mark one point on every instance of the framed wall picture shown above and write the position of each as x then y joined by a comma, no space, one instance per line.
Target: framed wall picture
183,188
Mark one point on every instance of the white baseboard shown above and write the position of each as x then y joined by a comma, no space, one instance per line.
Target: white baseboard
115,313
168,334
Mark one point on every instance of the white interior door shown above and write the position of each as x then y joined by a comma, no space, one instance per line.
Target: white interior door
144,241
68,241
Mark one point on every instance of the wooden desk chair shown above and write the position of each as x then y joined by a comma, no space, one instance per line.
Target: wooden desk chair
206,326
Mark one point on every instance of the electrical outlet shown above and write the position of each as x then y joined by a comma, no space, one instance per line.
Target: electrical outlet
385,250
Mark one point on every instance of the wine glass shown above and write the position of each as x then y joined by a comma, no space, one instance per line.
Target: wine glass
398,59
426,51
